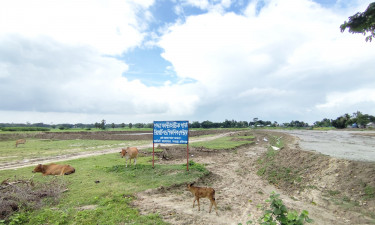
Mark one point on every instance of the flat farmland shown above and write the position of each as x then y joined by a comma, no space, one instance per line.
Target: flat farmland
332,188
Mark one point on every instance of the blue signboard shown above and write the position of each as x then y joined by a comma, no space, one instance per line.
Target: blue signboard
171,132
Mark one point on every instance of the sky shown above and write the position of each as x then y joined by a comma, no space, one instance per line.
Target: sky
139,61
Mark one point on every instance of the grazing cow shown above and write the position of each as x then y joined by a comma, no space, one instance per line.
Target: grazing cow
54,169
203,192
20,141
130,153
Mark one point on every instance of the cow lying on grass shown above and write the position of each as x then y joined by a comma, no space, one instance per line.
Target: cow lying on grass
130,153
203,192
54,169
20,141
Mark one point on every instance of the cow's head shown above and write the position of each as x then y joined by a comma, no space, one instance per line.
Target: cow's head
123,152
38,168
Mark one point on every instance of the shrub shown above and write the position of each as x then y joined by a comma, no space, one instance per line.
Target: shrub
278,212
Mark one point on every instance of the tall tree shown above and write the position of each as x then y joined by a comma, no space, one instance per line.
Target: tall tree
362,22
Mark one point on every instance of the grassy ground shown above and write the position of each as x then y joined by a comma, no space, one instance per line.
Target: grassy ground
225,142
105,184
36,148
102,188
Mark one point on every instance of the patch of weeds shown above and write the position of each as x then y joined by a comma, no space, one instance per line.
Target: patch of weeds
261,171
346,199
278,213
312,187
277,175
333,192
149,150
196,166
276,141
270,155
227,208
369,192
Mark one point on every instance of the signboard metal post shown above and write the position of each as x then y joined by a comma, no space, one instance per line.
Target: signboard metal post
171,132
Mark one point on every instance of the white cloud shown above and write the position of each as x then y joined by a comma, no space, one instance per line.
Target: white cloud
109,26
276,64
298,52
346,99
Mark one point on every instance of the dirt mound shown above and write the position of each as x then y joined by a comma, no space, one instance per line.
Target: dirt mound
336,184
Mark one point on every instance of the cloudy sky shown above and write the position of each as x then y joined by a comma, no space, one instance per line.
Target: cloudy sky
81,61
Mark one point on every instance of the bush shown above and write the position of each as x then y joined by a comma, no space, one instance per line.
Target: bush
278,213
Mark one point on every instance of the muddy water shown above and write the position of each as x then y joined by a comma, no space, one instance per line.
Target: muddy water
351,145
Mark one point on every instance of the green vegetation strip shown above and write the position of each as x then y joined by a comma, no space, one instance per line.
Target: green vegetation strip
24,129
225,142
106,187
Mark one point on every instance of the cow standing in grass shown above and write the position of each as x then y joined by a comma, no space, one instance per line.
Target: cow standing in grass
20,141
130,153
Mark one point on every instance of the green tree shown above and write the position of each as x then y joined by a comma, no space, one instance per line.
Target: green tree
130,125
341,122
207,124
362,22
195,124
361,119
102,125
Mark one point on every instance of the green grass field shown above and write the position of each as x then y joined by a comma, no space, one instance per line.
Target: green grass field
225,142
101,182
105,182
37,148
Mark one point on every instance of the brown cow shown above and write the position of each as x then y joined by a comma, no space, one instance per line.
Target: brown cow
20,141
130,153
54,169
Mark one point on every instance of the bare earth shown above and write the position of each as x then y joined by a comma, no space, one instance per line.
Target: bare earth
240,191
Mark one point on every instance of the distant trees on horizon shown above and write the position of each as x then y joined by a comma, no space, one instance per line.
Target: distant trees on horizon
340,122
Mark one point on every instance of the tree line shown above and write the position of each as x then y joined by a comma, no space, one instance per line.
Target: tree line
357,119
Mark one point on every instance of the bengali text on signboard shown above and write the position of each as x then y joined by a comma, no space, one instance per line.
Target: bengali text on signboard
171,132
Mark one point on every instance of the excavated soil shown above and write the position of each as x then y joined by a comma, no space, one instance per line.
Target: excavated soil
240,191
